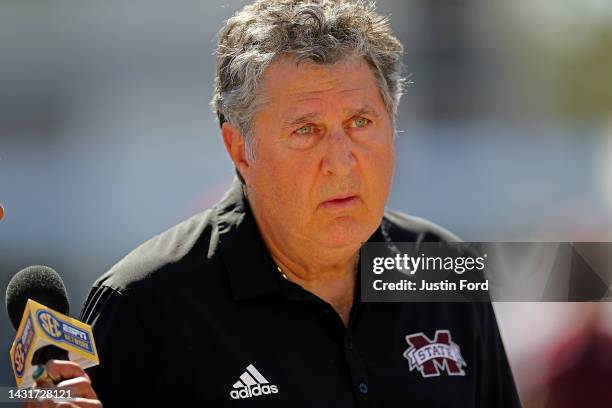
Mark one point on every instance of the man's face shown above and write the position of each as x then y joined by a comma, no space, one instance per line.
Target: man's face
324,153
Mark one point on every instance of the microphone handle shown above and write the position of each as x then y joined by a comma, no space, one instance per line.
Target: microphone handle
40,358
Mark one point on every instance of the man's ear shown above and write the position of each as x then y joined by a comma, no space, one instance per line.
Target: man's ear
235,145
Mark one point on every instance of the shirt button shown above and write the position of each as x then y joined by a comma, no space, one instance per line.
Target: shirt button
363,388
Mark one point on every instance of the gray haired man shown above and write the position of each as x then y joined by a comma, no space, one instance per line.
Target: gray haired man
255,302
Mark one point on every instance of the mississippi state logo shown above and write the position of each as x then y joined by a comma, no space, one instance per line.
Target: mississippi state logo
431,356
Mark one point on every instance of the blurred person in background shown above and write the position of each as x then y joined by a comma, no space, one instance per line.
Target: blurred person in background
574,369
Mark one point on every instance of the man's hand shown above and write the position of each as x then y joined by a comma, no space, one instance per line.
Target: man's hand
69,376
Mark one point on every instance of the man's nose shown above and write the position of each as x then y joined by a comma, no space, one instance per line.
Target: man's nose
339,158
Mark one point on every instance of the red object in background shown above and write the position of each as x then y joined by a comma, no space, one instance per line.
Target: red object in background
1,212
587,380
579,372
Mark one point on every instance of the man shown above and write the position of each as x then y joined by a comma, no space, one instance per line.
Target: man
254,302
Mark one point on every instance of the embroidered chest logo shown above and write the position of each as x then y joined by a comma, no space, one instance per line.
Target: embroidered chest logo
431,356
252,384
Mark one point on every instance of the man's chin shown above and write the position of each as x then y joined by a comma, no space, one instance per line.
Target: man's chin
345,232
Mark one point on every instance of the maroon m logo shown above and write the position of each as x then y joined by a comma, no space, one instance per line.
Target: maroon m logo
431,356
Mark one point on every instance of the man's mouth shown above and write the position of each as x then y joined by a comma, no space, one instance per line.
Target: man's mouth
341,202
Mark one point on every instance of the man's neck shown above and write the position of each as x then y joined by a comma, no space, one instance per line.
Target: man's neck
334,282
328,272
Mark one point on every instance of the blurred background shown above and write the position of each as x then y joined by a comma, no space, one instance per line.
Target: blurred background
107,138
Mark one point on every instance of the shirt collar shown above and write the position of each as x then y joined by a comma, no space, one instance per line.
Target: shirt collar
251,270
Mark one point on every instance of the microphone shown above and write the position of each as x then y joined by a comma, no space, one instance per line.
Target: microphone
37,305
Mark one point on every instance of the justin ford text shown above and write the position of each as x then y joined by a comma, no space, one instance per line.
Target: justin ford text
412,264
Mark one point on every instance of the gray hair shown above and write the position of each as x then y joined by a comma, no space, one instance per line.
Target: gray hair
321,31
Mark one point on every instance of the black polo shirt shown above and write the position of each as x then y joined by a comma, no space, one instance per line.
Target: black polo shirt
201,315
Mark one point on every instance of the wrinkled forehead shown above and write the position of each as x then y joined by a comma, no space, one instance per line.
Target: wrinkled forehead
292,85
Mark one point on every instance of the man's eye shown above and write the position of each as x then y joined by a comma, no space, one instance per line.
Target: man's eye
359,122
305,130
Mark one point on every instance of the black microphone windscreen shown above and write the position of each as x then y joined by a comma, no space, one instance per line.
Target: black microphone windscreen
39,283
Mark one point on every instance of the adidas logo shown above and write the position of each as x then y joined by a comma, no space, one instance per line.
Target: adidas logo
252,384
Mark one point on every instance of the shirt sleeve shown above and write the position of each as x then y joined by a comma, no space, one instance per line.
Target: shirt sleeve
496,383
126,371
